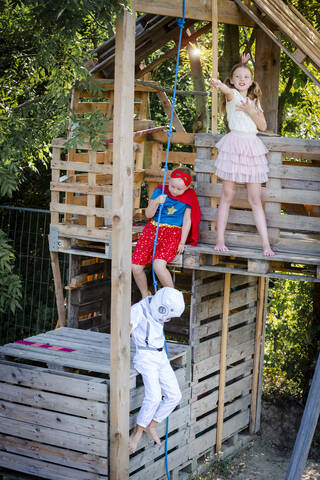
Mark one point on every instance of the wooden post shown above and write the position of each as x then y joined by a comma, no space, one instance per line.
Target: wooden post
73,296
267,74
58,289
214,111
214,6
223,359
307,428
121,244
257,352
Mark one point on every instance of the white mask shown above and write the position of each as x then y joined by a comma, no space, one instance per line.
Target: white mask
166,303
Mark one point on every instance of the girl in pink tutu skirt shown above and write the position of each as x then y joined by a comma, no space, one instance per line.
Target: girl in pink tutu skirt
242,155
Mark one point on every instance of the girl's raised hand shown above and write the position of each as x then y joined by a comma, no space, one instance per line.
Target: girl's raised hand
215,83
244,58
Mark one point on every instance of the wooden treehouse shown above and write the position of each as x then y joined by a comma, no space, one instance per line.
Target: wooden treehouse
70,396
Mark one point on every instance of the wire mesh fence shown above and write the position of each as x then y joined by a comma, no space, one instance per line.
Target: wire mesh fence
28,231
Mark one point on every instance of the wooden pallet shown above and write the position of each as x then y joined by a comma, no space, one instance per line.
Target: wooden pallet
206,318
54,408
291,198
244,261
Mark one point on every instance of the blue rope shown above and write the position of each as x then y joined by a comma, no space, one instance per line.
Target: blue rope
181,22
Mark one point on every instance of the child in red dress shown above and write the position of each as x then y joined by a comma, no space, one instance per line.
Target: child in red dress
179,225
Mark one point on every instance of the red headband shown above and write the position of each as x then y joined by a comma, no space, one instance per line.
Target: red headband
184,176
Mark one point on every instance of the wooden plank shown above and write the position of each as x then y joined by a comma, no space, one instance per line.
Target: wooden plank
307,428
289,222
211,419
223,353
79,386
81,188
276,196
274,144
48,470
54,256
197,9
49,435
81,167
209,402
55,420
55,175
257,352
59,456
80,210
79,407
176,138
211,364
273,208
121,244
167,106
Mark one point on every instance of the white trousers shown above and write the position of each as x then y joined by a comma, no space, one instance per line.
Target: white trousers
161,390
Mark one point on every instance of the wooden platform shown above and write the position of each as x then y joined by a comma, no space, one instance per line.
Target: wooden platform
54,408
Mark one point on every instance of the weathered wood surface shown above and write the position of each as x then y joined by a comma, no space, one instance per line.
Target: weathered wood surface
91,353
227,11
57,422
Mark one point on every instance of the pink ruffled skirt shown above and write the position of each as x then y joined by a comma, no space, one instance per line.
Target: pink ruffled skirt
242,158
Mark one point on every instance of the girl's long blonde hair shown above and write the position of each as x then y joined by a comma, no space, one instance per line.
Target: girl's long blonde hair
254,91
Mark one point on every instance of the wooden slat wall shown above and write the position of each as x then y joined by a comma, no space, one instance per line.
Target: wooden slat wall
206,318
292,188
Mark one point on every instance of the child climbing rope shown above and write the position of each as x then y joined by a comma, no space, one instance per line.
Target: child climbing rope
161,389
179,225
241,157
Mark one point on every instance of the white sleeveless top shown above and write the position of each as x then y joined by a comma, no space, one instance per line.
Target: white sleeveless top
239,121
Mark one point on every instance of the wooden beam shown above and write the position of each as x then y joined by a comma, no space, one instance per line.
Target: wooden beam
121,244
223,359
58,289
197,9
167,106
307,428
257,352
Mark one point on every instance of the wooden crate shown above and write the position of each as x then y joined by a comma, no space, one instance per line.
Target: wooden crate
291,197
206,321
54,408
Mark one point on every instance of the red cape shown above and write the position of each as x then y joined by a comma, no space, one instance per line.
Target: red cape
189,197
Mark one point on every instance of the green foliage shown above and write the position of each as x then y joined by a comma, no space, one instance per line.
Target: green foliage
289,334
10,285
43,47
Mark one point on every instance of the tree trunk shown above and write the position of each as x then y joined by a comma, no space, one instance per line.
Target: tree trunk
230,54
201,120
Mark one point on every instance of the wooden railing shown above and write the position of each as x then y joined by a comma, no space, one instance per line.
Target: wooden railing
291,196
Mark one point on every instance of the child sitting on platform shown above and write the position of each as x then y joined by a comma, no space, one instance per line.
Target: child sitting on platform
161,389
180,218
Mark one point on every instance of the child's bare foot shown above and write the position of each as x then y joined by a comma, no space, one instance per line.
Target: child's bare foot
221,247
268,252
135,437
151,430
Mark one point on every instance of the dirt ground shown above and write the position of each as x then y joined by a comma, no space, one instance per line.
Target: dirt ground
268,455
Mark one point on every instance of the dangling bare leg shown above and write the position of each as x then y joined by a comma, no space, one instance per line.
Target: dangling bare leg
141,279
151,430
160,267
228,191
254,197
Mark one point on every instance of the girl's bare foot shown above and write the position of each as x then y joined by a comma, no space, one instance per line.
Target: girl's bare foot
151,430
135,437
268,252
221,247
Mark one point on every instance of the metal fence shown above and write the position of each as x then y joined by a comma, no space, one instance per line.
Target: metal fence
28,231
